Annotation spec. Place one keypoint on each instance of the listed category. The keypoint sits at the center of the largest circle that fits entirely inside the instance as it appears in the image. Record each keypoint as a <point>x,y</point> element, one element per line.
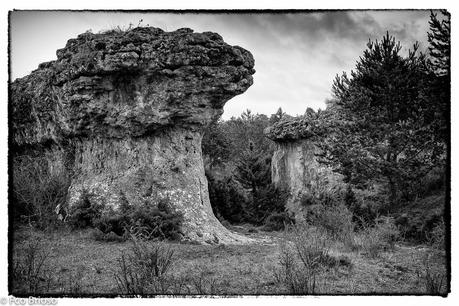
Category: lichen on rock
<point>132,107</point>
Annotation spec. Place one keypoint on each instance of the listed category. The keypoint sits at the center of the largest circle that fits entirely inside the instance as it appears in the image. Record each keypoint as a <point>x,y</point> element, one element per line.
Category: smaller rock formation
<point>294,165</point>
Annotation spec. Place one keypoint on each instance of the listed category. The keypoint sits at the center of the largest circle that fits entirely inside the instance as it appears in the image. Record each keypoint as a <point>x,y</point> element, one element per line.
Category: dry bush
<point>30,273</point>
<point>324,207</point>
<point>304,255</point>
<point>33,272</point>
<point>381,236</point>
<point>37,191</point>
<point>434,280</point>
<point>436,238</point>
<point>144,270</point>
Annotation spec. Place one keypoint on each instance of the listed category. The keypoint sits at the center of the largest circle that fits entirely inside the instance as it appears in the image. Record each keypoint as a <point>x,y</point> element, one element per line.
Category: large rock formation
<point>294,165</point>
<point>130,107</point>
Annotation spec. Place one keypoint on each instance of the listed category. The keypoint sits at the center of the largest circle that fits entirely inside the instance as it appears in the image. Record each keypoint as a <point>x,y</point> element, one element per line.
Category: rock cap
<point>134,83</point>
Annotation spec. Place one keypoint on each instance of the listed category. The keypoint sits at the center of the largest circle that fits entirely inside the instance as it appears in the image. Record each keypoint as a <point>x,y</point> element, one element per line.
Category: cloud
<point>297,55</point>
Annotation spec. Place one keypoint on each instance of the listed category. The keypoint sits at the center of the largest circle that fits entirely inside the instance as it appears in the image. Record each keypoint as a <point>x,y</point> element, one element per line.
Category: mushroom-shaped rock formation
<point>294,164</point>
<point>130,107</point>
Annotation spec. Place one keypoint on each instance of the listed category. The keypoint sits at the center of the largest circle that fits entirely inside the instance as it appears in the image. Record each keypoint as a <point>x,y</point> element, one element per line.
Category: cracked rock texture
<point>294,165</point>
<point>130,107</point>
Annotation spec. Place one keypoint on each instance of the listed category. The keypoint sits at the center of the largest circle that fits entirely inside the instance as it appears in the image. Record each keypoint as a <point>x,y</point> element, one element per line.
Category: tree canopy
<point>382,130</point>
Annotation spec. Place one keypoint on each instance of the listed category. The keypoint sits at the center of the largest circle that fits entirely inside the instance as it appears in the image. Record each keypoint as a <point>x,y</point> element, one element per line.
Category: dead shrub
<point>144,270</point>
<point>433,279</point>
<point>304,256</point>
<point>37,191</point>
<point>380,237</point>
<point>30,273</point>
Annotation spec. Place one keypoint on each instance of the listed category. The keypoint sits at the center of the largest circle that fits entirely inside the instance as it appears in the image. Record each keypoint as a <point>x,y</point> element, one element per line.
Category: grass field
<point>76,264</point>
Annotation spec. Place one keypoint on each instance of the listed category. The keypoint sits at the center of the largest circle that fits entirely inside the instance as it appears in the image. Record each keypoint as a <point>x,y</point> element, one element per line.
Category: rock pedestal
<point>130,107</point>
<point>294,165</point>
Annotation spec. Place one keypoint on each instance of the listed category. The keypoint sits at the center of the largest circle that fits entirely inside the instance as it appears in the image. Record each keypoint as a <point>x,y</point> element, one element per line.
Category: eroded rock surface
<point>131,107</point>
<point>294,165</point>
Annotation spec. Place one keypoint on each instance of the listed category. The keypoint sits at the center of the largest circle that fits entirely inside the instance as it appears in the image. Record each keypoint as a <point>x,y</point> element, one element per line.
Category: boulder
<point>129,109</point>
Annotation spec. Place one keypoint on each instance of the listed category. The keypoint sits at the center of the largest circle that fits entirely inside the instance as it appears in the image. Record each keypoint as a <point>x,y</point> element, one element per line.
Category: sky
<point>297,55</point>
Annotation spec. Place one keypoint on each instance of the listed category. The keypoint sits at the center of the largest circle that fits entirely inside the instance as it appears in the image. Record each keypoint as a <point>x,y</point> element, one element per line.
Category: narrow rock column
<point>294,165</point>
<point>131,108</point>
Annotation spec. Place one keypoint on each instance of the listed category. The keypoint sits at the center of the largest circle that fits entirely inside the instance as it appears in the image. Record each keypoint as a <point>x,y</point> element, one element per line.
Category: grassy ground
<point>77,264</point>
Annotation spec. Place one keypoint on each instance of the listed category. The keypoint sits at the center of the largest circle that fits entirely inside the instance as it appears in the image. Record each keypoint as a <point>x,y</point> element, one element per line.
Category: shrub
<point>381,236</point>
<point>37,191</point>
<point>149,220</point>
<point>417,221</point>
<point>267,200</point>
<point>85,212</point>
<point>98,235</point>
<point>303,256</point>
<point>434,280</point>
<point>203,284</point>
<point>227,199</point>
<point>363,207</point>
<point>326,210</point>
<point>144,269</point>
<point>29,272</point>
<point>436,238</point>
<point>278,221</point>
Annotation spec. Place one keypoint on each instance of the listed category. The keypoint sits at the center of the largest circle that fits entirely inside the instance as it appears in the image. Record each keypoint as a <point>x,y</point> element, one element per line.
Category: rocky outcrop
<point>131,107</point>
<point>294,165</point>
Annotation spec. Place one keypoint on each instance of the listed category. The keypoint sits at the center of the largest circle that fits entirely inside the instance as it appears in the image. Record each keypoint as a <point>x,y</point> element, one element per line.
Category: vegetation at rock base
<point>146,221</point>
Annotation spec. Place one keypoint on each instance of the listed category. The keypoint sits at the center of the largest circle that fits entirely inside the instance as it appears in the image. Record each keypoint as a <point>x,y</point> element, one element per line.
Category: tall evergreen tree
<point>378,129</point>
<point>253,169</point>
<point>439,61</point>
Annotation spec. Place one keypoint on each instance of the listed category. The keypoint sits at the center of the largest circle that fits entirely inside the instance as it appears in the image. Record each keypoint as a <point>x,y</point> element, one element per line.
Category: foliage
<point>85,212</point>
<point>381,236</point>
<point>439,39</point>
<point>37,190</point>
<point>246,194</point>
<point>156,221</point>
<point>436,237</point>
<point>278,221</point>
<point>253,169</point>
<point>98,235</point>
<point>382,133</point>
<point>147,221</point>
<point>268,201</point>
<point>226,198</point>
<point>325,209</point>
<point>363,208</point>
<point>225,141</point>
<point>216,144</point>
<point>418,220</point>
<point>439,61</point>
<point>253,172</point>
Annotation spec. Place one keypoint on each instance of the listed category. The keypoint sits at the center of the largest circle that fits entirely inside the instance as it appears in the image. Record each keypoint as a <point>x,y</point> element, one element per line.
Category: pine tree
<point>253,169</point>
<point>439,61</point>
<point>439,39</point>
<point>379,133</point>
